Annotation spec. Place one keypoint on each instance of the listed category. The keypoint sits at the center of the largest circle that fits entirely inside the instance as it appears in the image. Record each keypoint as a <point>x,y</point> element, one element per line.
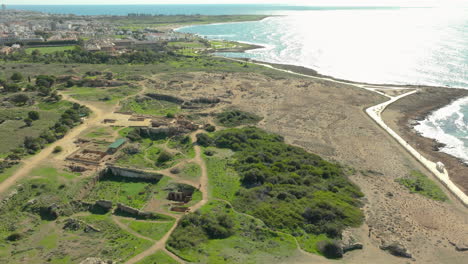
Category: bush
<point>204,140</point>
<point>20,99</point>
<point>164,157</point>
<point>17,77</point>
<point>233,118</point>
<point>210,128</point>
<point>170,115</point>
<point>14,237</point>
<point>34,115</point>
<point>196,228</point>
<point>132,150</point>
<point>58,149</point>
<point>28,121</point>
<point>330,249</point>
<point>11,87</point>
<point>417,182</point>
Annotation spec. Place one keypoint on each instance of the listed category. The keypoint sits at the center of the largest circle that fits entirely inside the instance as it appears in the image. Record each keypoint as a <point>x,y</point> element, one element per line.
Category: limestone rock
<point>396,249</point>
<point>349,242</point>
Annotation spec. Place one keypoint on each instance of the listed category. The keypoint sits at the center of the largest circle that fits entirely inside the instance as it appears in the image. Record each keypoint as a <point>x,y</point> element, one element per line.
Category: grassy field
<point>13,130</point>
<point>419,183</point>
<point>134,193</point>
<point>53,173</point>
<point>190,171</point>
<point>187,44</point>
<point>224,182</point>
<point>116,243</point>
<point>48,50</point>
<point>148,106</point>
<point>158,258</point>
<point>153,230</point>
<point>218,44</point>
<point>110,95</point>
<point>100,133</point>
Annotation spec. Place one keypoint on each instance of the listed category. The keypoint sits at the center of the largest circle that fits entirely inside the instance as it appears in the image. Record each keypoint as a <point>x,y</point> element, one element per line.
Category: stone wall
<point>133,173</point>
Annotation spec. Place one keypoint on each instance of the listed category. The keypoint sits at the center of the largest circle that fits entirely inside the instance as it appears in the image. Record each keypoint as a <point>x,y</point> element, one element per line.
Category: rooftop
<point>119,142</point>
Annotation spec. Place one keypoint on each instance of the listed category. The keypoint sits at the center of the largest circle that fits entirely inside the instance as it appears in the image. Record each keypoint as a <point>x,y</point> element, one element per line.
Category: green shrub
<point>58,149</point>
<point>16,77</point>
<point>204,140</point>
<point>233,118</point>
<point>34,115</point>
<point>197,228</point>
<point>164,157</point>
<point>417,182</point>
<point>210,128</point>
<point>330,249</point>
<point>288,188</point>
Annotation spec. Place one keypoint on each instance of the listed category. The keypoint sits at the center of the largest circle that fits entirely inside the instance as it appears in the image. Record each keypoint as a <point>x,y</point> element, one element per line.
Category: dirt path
<point>203,187</point>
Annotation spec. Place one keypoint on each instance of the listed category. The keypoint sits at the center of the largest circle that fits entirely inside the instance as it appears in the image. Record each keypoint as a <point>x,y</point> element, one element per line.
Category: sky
<point>289,2</point>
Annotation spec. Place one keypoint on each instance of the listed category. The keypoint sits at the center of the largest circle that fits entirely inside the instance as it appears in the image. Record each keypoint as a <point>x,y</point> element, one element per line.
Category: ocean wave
<point>449,126</point>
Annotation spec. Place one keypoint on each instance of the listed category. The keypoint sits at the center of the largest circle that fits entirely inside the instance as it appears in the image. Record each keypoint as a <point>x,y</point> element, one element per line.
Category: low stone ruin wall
<point>132,173</point>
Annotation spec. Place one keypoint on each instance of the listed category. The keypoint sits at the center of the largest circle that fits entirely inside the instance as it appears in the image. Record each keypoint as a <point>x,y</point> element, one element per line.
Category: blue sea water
<point>168,9</point>
<point>377,45</point>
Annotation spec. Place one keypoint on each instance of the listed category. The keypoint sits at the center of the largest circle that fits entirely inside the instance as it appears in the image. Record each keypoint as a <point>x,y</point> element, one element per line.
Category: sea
<point>381,45</point>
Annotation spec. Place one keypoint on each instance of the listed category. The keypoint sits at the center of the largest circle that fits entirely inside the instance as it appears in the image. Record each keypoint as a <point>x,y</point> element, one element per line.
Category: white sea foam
<point>449,126</point>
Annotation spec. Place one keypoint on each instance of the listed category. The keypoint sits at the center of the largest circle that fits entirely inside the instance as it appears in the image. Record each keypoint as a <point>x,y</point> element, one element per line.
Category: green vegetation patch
<point>109,94</point>
<point>153,230</point>
<point>129,191</point>
<point>419,183</point>
<point>289,189</point>
<point>217,234</point>
<point>116,243</point>
<point>49,50</point>
<point>191,171</point>
<point>13,130</point>
<point>149,106</point>
<point>104,133</point>
<point>160,257</point>
<point>233,118</point>
<point>224,181</point>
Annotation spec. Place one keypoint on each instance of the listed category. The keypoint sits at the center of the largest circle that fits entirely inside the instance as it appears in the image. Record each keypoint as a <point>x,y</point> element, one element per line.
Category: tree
<point>19,99</point>
<point>17,77</point>
<point>34,115</point>
<point>36,52</point>
<point>28,121</point>
<point>44,91</point>
<point>164,157</point>
<point>45,80</point>
<point>204,140</point>
<point>11,87</point>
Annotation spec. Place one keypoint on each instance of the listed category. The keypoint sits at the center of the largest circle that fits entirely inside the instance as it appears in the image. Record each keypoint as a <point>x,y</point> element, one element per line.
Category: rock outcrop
<point>396,249</point>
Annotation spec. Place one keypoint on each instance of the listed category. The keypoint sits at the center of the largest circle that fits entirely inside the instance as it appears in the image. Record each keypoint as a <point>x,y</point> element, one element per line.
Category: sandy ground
<point>328,119</point>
